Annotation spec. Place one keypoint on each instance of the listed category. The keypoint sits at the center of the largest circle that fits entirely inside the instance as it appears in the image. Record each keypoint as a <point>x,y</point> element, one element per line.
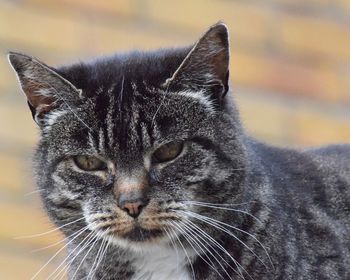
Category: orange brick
<point>315,36</point>
<point>313,127</point>
<point>17,125</point>
<point>17,175</point>
<point>116,7</point>
<point>71,34</point>
<point>342,5</point>
<point>300,3</point>
<point>251,69</point>
<point>283,122</point>
<point>244,20</point>
<point>18,220</point>
<point>287,77</point>
<point>261,26</point>
<point>264,118</point>
<point>6,76</point>
<point>19,267</point>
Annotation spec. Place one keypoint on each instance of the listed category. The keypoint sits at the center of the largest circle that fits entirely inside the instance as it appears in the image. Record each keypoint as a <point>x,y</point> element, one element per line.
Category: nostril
<point>133,208</point>
<point>139,208</point>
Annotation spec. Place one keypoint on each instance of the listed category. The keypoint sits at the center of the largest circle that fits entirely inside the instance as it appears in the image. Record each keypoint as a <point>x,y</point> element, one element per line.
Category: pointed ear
<point>42,85</point>
<point>206,67</point>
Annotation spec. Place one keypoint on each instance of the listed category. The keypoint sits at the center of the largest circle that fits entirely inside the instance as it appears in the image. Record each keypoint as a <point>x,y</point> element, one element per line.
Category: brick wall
<point>290,72</point>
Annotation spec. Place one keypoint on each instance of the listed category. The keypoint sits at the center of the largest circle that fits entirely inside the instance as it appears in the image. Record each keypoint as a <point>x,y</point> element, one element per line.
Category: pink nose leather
<point>133,208</point>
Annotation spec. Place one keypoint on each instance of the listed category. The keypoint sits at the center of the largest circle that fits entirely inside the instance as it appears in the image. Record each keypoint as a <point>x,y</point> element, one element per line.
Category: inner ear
<point>206,66</point>
<point>42,85</point>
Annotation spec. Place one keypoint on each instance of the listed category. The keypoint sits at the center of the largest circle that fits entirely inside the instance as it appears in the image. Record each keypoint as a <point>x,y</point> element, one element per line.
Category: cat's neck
<point>152,262</point>
<point>162,262</point>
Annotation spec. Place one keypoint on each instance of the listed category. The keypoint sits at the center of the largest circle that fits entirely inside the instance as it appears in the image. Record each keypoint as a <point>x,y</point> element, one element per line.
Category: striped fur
<point>227,207</point>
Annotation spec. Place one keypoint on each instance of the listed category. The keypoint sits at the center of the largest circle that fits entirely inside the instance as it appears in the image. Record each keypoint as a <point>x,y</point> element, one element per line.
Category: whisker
<point>61,241</point>
<point>216,225</point>
<point>89,237</point>
<point>189,260</point>
<point>83,247</point>
<point>161,104</point>
<point>229,209</point>
<point>240,230</point>
<point>216,204</point>
<point>85,240</point>
<point>102,255</point>
<point>48,232</point>
<point>174,246</point>
<point>219,246</point>
<point>42,268</point>
<point>33,192</point>
<point>87,253</point>
<point>194,240</point>
<point>60,97</point>
<point>96,258</point>
<point>108,243</point>
<point>92,238</point>
<point>202,238</point>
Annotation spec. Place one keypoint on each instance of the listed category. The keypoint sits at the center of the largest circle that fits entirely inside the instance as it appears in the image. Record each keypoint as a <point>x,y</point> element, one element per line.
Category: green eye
<point>89,163</point>
<point>167,152</point>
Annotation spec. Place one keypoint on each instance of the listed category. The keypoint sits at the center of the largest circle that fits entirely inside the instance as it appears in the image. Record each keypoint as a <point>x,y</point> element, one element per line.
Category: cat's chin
<point>138,234</point>
<point>140,239</point>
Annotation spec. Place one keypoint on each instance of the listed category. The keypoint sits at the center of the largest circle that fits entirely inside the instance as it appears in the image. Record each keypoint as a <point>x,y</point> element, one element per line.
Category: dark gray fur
<point>129,104</point>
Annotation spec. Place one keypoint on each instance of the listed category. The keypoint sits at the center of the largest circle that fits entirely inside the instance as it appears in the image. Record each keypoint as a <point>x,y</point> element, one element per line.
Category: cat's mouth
<point>142,229</point>
<point>139,234</point>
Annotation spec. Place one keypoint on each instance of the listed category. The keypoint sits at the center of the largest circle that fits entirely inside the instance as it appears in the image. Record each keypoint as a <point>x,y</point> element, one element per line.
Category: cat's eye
<point>167,152</point>
<point>89,163</point>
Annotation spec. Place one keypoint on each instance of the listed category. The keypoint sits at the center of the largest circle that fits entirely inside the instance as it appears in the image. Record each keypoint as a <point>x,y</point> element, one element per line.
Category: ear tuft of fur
<point>206,66</point>
<point>42,85</point>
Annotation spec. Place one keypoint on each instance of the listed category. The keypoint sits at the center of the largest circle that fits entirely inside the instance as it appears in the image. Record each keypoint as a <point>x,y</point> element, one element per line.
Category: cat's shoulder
<point>335,151</point>
<point>336,157</point>
<point>332,157</point>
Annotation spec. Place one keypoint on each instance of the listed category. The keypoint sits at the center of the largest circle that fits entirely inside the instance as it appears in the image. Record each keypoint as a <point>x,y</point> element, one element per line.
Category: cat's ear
<point>206,67</point>
<point>42,85</point>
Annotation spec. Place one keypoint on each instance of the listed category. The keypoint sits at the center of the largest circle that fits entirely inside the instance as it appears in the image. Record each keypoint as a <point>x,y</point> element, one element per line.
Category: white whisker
<point>33,192</point>
<point>199,245</point>
<point>189,260</point>
<point>226,208</point>
<point>61,241</point>
<point>87,253</point>
<point>219,246</point>
<point>216,204</point>
<point>48,232</point>
<point>89,236</point>
<point>216,225</point>
<point>240,230</point>
<point>175,248</point>
<point>96,258</point>
<point>42,268</point>
<point>102,255</point>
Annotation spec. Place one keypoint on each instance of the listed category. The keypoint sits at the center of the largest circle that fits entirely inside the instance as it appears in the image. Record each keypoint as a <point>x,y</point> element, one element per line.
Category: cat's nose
<point>132,207</point>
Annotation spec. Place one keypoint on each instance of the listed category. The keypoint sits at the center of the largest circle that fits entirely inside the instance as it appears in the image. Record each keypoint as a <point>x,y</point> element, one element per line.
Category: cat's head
<point>129,143</point>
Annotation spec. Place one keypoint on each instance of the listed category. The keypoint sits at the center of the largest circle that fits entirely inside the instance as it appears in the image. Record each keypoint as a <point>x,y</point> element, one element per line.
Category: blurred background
<point>290,73</point>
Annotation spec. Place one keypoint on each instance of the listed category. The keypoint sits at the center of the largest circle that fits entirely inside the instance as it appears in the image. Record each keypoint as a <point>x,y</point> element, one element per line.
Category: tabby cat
<point>145,167</point>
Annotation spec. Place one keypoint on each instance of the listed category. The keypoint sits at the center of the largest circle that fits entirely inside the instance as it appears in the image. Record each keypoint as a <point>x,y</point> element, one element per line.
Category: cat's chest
<point>161,263</point>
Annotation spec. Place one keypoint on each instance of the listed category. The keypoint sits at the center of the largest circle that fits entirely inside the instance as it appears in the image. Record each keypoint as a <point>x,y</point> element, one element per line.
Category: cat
<point>145,167</point>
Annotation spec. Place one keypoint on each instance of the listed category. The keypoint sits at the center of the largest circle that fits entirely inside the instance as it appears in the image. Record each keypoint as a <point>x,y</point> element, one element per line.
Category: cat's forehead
<point>127,108</point>
<point>148,68</point>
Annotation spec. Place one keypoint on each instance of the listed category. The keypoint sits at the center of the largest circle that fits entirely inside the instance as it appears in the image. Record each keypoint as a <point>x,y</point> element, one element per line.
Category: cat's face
<point>129,142</point>
<point>131,166</point>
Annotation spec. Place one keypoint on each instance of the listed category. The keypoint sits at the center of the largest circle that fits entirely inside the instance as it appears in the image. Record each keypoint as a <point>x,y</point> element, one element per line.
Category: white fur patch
<point>161,263</point>
<point>201,97</point>
<point>51,118</point>
<point>44,92</point>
